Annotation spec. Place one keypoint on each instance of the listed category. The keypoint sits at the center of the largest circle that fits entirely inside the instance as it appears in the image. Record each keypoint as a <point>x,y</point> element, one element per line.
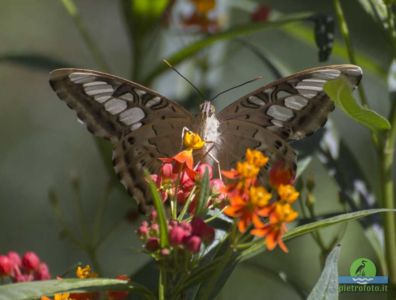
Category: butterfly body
<point>143,125</point>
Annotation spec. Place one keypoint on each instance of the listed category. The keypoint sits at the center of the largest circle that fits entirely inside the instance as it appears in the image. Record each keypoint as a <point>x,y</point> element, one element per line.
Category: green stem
<point>385,156</point>
<point>345,35</point>
<point>162,284</point>
<point>91,45</point>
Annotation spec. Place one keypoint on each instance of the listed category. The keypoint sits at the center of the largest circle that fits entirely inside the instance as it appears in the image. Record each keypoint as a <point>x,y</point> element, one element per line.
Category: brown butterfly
<point>143,125</point>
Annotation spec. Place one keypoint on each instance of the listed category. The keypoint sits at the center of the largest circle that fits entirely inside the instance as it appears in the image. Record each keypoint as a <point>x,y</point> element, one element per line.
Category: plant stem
<point>385,155</point>
<point>161,284</point>
<point>89,42</point>
<point>345,35</point>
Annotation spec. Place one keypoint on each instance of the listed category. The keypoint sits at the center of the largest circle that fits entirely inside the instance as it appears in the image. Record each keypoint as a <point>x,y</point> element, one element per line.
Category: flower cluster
<point>27,268</point>
<point>263,210</point>
<point>183,235</point>
<point>203,16</point>
<point>178,178</point>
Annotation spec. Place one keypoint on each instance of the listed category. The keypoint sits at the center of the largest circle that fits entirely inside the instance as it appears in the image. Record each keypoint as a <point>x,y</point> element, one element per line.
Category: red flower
<point>5,266</point>
<point>281,174</point>
<point>30,261</point>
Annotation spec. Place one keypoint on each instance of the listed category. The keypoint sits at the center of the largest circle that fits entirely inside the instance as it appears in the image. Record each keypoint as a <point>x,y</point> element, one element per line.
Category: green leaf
<point>36,289</point>
<point>375,8</point>
<point>203,194</point>
<point>241,30</point>
<point>340,92</point>
<point>327,286</point>
<point>34,61</point>
<point>159,207</point>
<point>258,247</point>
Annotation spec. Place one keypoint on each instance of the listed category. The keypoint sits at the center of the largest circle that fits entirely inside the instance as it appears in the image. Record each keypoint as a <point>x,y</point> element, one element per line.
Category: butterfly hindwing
<point>141,124</point>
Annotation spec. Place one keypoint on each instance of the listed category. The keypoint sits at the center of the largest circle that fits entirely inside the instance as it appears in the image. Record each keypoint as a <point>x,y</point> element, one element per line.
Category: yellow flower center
<point>85,272</point>
<point>247,170</point>
<point>193,141</point>
<point>259,196</point>
<point>256,158</point>
<point>287,193</point>
<point>63,296</point>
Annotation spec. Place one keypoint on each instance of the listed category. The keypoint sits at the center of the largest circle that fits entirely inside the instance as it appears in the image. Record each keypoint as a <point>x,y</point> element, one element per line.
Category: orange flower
<point>247,170</point>
<point>249,208</point>
<point>63,296</point>
<point>274,230</point>
<point>287,193</point>
<point>256,158</point>
<point>204,6</point>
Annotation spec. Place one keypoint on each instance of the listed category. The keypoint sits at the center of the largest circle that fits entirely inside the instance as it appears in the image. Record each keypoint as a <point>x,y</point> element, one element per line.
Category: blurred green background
<point>42,145</point>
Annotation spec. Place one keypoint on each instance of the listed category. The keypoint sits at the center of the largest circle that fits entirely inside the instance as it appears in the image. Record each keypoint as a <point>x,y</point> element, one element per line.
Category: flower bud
<point>15,259</point>
<point>5,265</point>
<point>42,272</point>
<point>165,252</point>
<point>23,277</point>
<point>193,243</point>
<point>177,235</point>
<point>143,230</point>
<point>167,170</point>
<point>152,244</point>
<point>30,261</point>
<point>202,168</point>
<point>201,229</point>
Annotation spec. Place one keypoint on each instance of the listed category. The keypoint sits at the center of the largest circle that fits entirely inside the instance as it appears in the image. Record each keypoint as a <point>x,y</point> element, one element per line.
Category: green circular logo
<point>362,267</point>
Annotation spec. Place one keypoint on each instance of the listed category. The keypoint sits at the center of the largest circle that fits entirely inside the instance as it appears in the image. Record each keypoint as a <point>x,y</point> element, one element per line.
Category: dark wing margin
<point>292,107</point>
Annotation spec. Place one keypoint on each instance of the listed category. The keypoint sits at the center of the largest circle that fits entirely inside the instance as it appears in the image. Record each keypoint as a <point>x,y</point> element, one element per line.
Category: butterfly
<point>143,125</point>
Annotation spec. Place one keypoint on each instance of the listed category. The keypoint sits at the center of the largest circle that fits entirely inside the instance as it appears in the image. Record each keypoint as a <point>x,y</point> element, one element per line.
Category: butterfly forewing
<point>284,110</point>
<point>292,107</point>
<point>142,124</point>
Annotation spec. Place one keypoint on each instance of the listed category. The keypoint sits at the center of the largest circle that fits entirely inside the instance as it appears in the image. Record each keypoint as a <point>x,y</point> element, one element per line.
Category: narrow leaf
<point>36,289</point>
<point>341,93</point>
<point>237,31</point>
<point>327,286</point>
<point>34,61</point>
<point>258,247</point>
<point>159,207</point>
<point>203,194</point>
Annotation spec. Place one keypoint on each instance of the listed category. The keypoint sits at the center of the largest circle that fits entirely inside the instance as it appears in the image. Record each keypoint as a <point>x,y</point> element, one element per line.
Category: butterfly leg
<point>184,130</point>
<point>207,153</point>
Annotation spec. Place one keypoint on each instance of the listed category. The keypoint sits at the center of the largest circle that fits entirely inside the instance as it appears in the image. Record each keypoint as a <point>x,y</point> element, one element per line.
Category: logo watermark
<point>363,278</point>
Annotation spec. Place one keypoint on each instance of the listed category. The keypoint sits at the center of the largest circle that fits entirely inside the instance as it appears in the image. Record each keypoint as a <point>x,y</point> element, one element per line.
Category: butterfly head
<point>207,109</point>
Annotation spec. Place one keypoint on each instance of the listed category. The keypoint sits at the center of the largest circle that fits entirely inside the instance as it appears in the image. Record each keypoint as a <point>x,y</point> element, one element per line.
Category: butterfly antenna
<point>185,78</point>
<point>237,86</point>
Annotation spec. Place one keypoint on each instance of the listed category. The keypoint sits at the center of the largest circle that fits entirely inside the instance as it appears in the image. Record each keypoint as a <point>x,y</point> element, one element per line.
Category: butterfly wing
<point>141,124</point>
<point>287,109</point>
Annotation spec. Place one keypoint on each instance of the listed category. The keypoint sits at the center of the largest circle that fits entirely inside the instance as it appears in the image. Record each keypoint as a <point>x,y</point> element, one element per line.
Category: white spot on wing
<point>280,113</point>
<point>153,101</point>
<point>296,102</point>
<point>256,100</point>
<point>277,123</point>
<point>98,89</point>
<point>140,92</point>
<point>281,94</point>
<point>326,74</point>
<point>132,115</point>
<point>94,83</point>
<point>115,106</point>
<point>127,97</point>
<point>80,77</point>
<point>102,98</point>
<point>136,126</point>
